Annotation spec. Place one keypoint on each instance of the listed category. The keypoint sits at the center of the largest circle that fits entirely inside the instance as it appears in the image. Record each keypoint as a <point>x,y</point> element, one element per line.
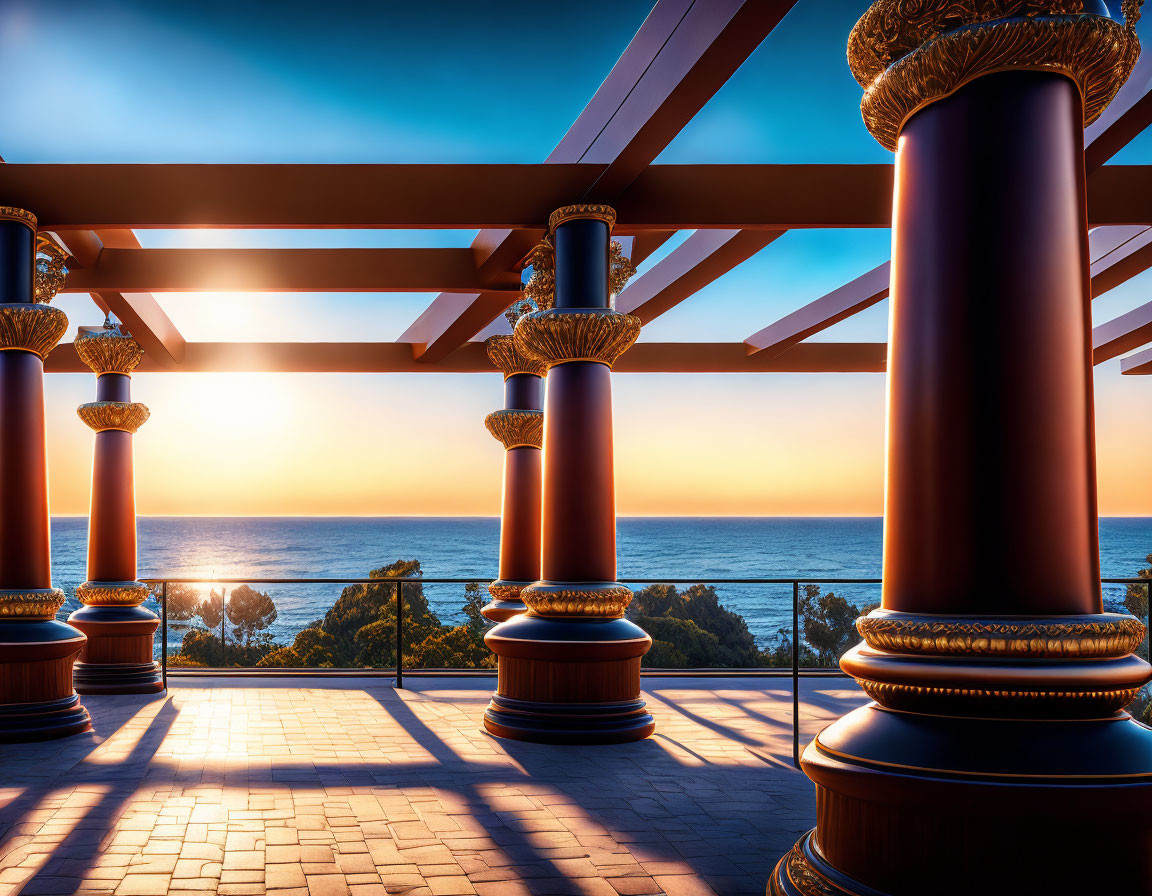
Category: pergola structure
<point>997,715</point>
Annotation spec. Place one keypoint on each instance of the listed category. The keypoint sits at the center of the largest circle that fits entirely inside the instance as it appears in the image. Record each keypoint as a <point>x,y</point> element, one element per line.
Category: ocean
<point>681,548</point>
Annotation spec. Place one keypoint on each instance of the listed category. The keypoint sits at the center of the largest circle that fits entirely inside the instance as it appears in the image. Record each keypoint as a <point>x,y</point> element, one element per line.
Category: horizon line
<point>469,516</point>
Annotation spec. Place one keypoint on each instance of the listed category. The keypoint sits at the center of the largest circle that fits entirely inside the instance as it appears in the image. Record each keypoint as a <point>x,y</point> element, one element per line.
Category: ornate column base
<point>505,601</point>
<point>909,804</point>
<point>1000,762</point>
<point>570,679</point>
<point>37,701</point>
<point>118,656</point>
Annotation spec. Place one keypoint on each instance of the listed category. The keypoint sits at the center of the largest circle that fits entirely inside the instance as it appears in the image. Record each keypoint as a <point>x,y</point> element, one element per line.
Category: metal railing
<point>794,672</point>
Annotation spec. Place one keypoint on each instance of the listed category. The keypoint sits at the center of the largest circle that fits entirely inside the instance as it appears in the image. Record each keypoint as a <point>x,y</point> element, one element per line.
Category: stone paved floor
<point>338,786</point>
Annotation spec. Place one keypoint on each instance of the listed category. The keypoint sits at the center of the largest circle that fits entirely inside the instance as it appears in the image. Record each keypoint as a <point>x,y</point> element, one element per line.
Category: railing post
<point>1148,622</point>
<point>223,610</point>
<point>164,635</point>
<point>399,638</point>
<point>796,674</point>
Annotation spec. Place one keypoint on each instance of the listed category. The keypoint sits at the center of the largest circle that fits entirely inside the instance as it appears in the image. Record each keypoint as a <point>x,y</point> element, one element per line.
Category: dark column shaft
<point>520,516</point>
<point>991,500</point>
<point>25,555</point>
<point>579,536</point>
<point>112,522</point>
<point>18,250</point>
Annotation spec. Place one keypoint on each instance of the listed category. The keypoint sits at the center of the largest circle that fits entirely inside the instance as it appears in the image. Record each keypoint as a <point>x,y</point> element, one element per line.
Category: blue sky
<point>245,81</point>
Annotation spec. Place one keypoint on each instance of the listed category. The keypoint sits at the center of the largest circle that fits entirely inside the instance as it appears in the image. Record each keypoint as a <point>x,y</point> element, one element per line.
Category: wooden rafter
<point>283,270</point>
<point>702,258</point>
<point>682,54</point>
<point>140,313</point>
<point>663,197</point>
<point>1126,116</point>
<point>396,357</point>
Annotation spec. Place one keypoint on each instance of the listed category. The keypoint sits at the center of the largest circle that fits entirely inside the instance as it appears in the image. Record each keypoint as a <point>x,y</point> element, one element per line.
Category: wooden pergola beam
<point>1122,262</point>
<point>843,302</point>
<point>702,258</point>
<point>284,270</point>
<point>662,198</point>
<point>396,357</point>
<point>1129,113</point>
<point>682,54</point>
<point>1122,334</point>
<point>1139,364</point>
<point>140,313</point>
<point>1118,254</point>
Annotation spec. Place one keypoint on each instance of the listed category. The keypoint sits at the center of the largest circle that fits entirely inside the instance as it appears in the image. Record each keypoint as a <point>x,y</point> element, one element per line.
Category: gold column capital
<point>566,213</point>
<point>109,351</point>
<point>502,352</point>
<point>20,215</point>
<point>558,337</point>
<point>516,428</point>
<point>907,54</point>
<point>125,416</point>
<point>31,327</point>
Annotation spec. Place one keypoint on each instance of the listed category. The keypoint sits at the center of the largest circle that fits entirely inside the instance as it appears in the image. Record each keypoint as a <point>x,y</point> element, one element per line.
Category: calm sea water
<point>691,548</point>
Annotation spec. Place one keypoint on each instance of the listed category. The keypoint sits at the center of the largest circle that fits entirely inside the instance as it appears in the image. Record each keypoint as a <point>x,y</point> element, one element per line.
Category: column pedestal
<point>118,656</point>
<point>996,758</point>
<point>37,701</point>
<point>570,666</point>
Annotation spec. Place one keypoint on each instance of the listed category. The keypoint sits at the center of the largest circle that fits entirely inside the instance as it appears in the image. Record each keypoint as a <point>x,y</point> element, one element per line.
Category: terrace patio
<point>337,786</point>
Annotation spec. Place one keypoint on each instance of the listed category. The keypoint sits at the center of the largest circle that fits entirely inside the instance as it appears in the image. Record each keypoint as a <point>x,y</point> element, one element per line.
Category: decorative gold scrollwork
<point>540,290</point>
<point>909,53</point>
<point>126,416</point>
<point>558,337</point>
<point>112,594</point>
<point>50,273</point>
<point>1103,635</point>
<point>109,351</point>
<point>499,590</point>
<point>39,603</point>
<point>620,268</point>
<point>604,213</point>
<point>933,698</point>
<point>31,327</point>
<point>517,429</point>
<point>608,600</point>
<point>502,352</point>
<point>23,216</point>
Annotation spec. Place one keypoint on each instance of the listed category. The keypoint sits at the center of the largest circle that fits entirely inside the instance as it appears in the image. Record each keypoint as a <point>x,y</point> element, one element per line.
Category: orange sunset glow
<point>411,445</point>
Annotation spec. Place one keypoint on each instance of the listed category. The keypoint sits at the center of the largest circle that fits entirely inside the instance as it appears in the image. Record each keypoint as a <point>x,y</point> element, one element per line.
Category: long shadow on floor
<point>75,853</point>
<point>724,822</point>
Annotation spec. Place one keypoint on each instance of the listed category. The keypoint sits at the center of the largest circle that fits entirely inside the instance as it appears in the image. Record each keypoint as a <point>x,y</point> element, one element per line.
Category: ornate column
<point>520,429</point>
<point>996,757</point>
<point>570,666</point>
<point>118,656</point>
<point>37,701</point>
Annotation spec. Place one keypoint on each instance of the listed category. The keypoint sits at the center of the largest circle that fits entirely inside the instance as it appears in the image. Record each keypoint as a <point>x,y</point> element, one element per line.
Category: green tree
<point>183,600</point>
<point>360,629</point>
<point>1136,598</point>
<point>692,628</point>
<point>828,623</point>
<point>250,611</point>
<point>313,648</point>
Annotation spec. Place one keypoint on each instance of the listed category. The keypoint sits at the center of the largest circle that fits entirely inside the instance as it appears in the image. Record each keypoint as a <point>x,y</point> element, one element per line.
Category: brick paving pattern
<point>330,787</point>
